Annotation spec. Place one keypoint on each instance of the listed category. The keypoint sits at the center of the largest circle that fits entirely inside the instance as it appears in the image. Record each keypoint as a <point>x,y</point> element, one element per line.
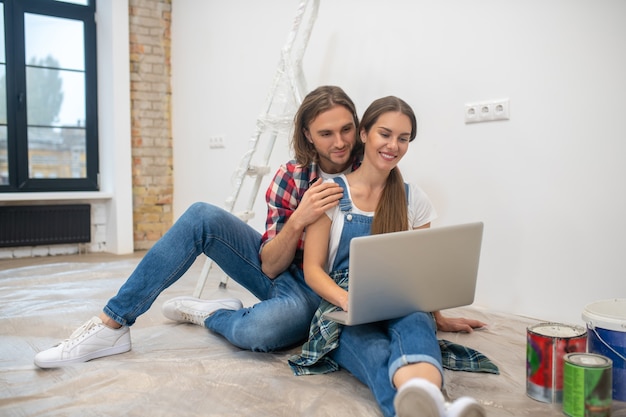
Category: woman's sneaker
<point>90,341</point>
<point>196,310</point>
<point>465,407</point>
<point>418,397</point>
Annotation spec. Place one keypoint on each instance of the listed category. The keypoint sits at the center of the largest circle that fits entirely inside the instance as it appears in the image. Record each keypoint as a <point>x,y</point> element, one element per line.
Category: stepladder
<point>274,124</point>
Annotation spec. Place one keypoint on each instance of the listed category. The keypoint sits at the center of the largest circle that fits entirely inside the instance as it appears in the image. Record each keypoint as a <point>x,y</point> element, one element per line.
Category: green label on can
<point>587,380</point>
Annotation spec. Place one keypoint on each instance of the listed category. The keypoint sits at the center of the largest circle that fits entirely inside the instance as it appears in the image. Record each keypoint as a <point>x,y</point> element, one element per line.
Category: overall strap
<point>345,204</point>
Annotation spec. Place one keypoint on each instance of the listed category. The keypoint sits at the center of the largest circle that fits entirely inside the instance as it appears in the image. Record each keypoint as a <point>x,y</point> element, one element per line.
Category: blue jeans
<point>280,320</point>
<point>374,352</point>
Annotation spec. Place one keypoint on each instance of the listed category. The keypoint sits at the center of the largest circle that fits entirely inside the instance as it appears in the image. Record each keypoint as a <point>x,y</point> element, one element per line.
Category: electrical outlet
<point>216,142</point>
<point>487,111</point>
<point>501,110</point>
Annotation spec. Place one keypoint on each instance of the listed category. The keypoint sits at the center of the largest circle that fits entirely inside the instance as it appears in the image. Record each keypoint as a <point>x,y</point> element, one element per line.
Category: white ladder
<point>285,95</point>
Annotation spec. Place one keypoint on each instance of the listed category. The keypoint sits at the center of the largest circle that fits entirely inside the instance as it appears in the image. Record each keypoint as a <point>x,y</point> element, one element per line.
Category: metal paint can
<point>587,381</point>
<point>547,343</point>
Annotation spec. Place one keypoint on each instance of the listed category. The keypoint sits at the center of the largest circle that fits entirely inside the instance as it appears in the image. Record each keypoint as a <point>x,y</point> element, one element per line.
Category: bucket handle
<point>619,355</point>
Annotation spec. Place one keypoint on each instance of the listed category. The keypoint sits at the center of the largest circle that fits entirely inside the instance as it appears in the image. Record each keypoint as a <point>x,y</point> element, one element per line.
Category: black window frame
<point>17,143</point>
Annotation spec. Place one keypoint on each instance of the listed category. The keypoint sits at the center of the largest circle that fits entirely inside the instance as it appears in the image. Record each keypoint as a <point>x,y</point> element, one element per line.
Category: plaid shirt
<point>324,336</point>
<point>283,196</point>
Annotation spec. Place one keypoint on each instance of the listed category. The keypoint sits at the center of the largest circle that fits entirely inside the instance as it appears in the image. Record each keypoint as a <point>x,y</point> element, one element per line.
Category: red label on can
<point>547,343</point>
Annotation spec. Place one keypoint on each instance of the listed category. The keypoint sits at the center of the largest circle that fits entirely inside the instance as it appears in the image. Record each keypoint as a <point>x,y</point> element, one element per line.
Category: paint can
<point>546,345</point>
<point>586,385</point>
<point>606,325</point>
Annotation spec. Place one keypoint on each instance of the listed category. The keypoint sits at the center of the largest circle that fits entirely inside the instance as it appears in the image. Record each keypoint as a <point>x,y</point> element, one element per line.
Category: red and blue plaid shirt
<point>283,196</point>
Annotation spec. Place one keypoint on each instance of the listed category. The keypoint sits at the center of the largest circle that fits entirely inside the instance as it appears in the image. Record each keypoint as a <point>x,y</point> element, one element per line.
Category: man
<point>269,265</point>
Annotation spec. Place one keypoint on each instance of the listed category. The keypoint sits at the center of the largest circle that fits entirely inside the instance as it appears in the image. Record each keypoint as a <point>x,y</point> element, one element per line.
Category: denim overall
<point>373,352</point>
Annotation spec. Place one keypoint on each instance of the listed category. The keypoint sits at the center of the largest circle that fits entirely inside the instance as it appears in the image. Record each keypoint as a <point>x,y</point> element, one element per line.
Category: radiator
<point>44,225</point>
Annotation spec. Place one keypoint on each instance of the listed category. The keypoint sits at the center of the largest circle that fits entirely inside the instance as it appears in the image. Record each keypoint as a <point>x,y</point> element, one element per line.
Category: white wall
<point>114,125</point>
<point>548,183</point>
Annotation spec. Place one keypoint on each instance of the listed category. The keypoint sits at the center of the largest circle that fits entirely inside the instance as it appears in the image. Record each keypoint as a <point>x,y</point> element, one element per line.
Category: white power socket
<point>487,111</point>
<point>216,142</point>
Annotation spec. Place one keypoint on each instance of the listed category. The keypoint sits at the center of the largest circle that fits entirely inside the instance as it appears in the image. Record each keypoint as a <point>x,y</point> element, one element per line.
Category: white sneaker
<point>419,397</point>
<point>465,407</point>
<point>90,341</point>
<point>196,310</point>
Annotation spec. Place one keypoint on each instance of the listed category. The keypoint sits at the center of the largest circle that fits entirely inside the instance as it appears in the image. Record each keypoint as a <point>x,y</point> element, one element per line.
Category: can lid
<point>589,360</point>
<point>607,314</point>
<point>557,330</point>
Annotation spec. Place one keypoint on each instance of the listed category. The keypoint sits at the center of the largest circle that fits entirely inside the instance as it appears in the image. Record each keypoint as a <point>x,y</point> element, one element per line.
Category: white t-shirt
<point>421,211</point>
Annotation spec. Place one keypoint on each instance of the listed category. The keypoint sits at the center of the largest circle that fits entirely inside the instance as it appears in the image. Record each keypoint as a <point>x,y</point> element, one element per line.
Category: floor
<point>184,370</point>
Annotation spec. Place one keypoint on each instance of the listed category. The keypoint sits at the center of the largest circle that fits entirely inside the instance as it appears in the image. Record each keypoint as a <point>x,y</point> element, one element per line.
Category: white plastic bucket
<point>606,335</point>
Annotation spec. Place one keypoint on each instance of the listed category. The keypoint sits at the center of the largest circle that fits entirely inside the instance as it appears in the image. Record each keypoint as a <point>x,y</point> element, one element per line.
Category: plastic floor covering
<point>184,370</point>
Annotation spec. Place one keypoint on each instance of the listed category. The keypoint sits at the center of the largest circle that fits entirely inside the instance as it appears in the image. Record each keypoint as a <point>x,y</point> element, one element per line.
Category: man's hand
<point>279,252</point>
<point>316,200</point>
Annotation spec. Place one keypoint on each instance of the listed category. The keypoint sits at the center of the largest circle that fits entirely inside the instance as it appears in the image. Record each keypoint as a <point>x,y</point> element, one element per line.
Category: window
<point>48,103</point>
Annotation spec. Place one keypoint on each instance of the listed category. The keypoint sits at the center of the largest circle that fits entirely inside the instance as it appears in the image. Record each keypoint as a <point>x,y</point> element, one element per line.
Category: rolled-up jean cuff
<point>118,319</point>
<point>411,359</point>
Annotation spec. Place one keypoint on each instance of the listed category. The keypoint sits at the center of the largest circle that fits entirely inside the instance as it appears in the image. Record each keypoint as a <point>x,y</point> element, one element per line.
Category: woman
<point>399,359</point>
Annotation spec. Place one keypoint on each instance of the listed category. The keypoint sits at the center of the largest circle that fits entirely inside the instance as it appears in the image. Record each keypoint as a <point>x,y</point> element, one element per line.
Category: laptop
<point>394,274</point>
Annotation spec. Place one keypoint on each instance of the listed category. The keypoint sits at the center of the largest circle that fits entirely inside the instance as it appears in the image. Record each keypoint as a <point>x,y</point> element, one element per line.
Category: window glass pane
<point>4,160</point>
<point>3,94</point>
<point>2,54</point>
<point>53,37</point>
<point>55,97</point>
<point>3,74</point>
<point>56,153</point>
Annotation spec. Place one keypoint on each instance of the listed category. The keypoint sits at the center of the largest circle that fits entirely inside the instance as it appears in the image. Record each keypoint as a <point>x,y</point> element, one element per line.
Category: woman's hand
<point>343,301</point>
<point>456,324</point>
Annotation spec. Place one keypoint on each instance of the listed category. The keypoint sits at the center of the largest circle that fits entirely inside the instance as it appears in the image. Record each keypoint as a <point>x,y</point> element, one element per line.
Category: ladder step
<point>257,170</point>
<point>245,215</point>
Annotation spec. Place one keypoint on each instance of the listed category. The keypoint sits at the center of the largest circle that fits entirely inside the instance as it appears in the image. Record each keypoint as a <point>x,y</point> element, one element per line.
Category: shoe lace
<point>193,316</point>
<point>84,329</point>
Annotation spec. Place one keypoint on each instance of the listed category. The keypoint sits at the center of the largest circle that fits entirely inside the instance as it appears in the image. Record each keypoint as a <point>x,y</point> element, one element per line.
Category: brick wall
<point>150,92</point>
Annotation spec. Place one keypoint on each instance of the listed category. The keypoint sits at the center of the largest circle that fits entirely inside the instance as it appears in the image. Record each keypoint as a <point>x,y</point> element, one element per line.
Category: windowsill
<point>77,195</point>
